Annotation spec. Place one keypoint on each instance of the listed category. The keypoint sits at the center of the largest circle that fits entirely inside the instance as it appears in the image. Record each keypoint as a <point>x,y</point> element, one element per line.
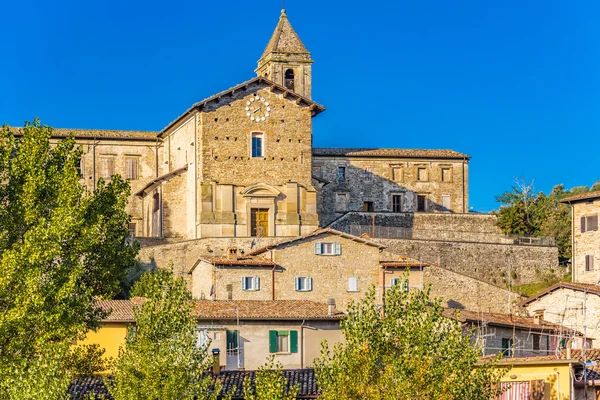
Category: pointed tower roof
<point>285,39</point>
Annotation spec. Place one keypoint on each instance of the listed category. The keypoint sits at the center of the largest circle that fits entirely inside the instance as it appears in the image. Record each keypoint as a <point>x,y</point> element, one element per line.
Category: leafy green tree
<point>269,384</point>
<point>60,247</point>
<point>161,359</point>
<point>410,351</point>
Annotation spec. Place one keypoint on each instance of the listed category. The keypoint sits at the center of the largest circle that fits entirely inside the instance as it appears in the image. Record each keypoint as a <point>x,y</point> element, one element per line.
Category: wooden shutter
<point>582,224</point>
<point>394,281</point>
<point>309,284</point>
<point>594,223</point>
<point>294,341</point>
<point>337,249</point>
<point>256,283</point>
<point>272,341</point>
<point>318,248</point>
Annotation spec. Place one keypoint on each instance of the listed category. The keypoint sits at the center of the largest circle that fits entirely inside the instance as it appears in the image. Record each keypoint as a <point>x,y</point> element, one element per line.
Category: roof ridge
<point>291,43</point>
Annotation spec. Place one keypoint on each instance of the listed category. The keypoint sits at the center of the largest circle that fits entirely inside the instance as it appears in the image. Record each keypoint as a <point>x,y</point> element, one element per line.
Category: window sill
<point>352,291</point>
<point>250,290</point>
<point>282,353</point>
<point>303,290</point>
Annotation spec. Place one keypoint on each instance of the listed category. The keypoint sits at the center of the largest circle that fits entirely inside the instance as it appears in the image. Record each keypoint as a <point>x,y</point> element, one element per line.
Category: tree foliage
<point>161,359</point>
<point>409,352</point>
<point>269,384</point>
<point>60,247</point>
<point>524,211</point>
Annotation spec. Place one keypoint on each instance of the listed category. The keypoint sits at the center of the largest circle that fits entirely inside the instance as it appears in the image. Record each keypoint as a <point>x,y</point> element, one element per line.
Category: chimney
<point>538,317</point>
<point>330,306</point>
<point>232,254</point>
<point>216,366</point>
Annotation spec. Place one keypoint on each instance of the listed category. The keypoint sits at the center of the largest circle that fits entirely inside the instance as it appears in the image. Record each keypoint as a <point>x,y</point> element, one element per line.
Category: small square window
<point>257,145</point>
<point>283,342</point>
<point>589,223</point>
<point>303,284</point>
<point>251,283</point>
<point>400,281</point>
<point>353,284</point>
<point>107,167</point>
<point>446,175</point>
<point>397,174</point>
<point>589,262</point>
<point>397,203</point>
<point>368,206</point>
<point>422,174</point>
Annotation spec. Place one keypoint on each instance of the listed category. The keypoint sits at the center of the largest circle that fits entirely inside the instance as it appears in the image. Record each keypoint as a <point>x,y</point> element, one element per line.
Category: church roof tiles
<point>404,153</point>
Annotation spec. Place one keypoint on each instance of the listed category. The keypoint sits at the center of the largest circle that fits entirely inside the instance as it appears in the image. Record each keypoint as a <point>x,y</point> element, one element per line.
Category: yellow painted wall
<point>556,376</point>
<point>109,336</point>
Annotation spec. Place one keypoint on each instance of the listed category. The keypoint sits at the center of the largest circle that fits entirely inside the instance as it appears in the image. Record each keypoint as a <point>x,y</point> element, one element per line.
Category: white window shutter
<point>352,284</point>
<point>318,248</point>
<point>256,283</point>
<point>309,283</point>
<point>296,284</point>
<point>405,285</point>
<point>394,281</point>
<point>338,249</point>
<point>244,287</point>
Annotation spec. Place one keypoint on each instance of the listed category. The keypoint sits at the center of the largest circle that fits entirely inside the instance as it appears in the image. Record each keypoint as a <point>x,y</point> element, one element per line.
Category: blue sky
<point>515,84</point>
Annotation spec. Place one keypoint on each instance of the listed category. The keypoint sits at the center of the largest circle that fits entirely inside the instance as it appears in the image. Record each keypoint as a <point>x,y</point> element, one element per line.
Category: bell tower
<point>286,61</point>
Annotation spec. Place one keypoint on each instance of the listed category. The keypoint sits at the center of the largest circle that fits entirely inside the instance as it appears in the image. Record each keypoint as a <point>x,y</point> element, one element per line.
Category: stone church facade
<point>241,163</point>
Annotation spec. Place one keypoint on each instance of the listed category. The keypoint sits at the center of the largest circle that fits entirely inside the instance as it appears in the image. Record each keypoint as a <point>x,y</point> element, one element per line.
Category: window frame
<point>398,174</point>
<point>589,262</point>
<point>589,223</point>
<point>352,284</point>
<point>305,287</point>
<point>110,164</point>
<point>449,169</point>
<point>536,342</point>
<point>254,283</point>
<point>136,161</point>
<point>449,208</point>
<point>507,351</point>
<point>397,195</point>
<point>337,204</point>
<point>291,339</point>
<point>341,169</point>
<point>335,249</point>
<point>424,197</point>
<point>257,135</point>
<point>368,174</point>
<point>419,169</point>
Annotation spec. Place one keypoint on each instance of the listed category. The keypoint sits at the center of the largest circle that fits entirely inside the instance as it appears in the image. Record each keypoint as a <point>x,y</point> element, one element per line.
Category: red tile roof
<point>403,261</point>
<point>261,310</point>
<point>316,233</point>
<point>401,153</point>
<point>117,310</point>
<point>97,133</point>
<point>256,261</point>
<point>509,320</point>
<point>581,197</point>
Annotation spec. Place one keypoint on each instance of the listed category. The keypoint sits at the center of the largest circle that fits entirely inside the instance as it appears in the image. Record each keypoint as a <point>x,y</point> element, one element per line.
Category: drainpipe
<point>94,161</point>
<point>302,344</point>
<point>383,290</point>
<point>572,243</point>
<point>273,283</point>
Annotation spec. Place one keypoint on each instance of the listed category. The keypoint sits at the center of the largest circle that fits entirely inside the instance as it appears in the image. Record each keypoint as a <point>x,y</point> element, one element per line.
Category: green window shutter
<point>294,341</point>
<point>272,341</point>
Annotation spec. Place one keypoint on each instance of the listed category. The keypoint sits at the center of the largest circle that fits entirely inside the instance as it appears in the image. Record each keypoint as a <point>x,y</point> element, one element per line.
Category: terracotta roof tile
<point>402,153</point>
<point>262,309</point>
<point>317,232</point>
<point>97,133</point>
<point>117,310</point>
<point>581,197</point>
<point>257,261</point>
<point>403,261</point>
<point>524,322</point>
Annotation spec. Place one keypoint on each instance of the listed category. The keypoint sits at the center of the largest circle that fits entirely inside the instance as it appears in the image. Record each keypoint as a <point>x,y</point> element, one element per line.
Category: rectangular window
<point>589,262</point>
<point>536,342</point>
<point>318,171</point>
<point>400,281</point>
<point>397,203</point>
<point>446,175</point>
<point>341,202</point>
<point>589,223</point>
<point>131,168</point>
<point>107,167</point>
<point>257,145</point>
<point>80,167</point>
<point>368,174</point>
<point>506,347</point>
<point>132,228</point>
<point>397,174</point>
<point>341,176</point>
<point>232,342</point>
<point>353,284</point>
<point>302,284</point>
<point>283,341</point>
<point>421,203</point>
<point>368,206</point>
<point>328,249</point>
<point>251,283</point>
<point>446,202</point>
<point>422,174</point>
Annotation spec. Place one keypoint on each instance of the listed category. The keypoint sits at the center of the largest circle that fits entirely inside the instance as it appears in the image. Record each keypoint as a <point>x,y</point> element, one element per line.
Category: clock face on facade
<point>257,109</point>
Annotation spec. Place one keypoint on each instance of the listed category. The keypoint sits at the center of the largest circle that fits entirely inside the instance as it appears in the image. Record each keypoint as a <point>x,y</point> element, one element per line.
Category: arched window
<point>289,79</point>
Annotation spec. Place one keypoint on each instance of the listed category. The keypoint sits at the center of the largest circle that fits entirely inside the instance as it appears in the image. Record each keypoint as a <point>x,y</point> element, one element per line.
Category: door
<point>259,222</point>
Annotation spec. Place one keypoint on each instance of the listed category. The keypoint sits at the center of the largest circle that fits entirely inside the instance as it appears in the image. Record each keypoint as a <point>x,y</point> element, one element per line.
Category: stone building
<point>585,237</point>
<point>573,305</point>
